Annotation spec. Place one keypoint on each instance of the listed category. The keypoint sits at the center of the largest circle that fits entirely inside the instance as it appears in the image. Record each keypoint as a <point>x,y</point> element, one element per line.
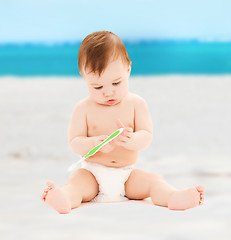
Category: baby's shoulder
<point>136,99</point>
<point>81,105</point>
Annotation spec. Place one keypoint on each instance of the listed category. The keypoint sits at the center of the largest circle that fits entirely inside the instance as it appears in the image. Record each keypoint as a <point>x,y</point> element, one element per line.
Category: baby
<point>110,174</point>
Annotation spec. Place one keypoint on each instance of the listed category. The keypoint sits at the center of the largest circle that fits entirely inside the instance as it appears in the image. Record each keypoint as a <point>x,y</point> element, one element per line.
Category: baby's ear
<point>129,68</point>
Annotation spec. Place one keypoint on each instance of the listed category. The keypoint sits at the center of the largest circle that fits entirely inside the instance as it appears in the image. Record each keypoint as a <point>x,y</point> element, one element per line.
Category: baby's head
<point>105,66</point>
<point>98,49</point>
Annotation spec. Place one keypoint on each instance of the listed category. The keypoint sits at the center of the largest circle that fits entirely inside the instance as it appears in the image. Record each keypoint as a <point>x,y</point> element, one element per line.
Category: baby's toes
<point>201,189</point>
<point>43,196</point>
<point>202,198</point>
<point>50,185</point>
<point>46,190</point>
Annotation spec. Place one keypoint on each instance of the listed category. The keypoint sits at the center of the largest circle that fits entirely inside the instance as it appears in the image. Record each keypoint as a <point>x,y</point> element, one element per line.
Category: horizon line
<point>125,40</point>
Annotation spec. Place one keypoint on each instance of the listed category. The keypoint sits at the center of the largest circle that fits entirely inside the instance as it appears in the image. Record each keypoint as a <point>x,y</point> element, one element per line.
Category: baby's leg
<point>142,184</point>
<point>80,187</point>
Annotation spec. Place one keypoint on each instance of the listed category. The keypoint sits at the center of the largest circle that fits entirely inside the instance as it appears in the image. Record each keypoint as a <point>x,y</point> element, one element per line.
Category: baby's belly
<point>119,157</point>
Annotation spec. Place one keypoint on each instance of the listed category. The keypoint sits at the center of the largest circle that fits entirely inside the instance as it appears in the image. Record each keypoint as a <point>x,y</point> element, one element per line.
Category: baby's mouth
<point>111,101</point>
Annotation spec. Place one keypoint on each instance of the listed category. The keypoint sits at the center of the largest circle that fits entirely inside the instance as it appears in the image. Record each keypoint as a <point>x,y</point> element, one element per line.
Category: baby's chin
<point>105,103</point>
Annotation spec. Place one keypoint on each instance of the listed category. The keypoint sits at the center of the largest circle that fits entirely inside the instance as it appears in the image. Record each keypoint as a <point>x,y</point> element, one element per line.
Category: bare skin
<point>93,119</point>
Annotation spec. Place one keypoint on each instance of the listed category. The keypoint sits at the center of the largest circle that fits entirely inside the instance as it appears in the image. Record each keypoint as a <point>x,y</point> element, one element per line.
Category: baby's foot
<point>56,198</point>
<point>189,198</point>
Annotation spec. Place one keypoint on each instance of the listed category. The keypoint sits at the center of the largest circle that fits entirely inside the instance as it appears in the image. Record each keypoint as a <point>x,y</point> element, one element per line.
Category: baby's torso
<point>101,120</point>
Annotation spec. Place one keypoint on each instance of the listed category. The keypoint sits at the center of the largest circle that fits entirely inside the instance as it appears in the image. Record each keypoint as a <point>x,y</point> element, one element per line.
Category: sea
<point>149,57</point>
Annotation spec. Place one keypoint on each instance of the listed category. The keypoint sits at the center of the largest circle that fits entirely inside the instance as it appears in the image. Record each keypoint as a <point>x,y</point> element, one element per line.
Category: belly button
<point>113,161</point>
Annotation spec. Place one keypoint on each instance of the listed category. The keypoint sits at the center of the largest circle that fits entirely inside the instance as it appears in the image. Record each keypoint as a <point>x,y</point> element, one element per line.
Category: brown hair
<point>96,50</point>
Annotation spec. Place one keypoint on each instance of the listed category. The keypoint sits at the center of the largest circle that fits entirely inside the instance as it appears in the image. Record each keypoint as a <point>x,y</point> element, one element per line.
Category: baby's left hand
<point>125,137</point>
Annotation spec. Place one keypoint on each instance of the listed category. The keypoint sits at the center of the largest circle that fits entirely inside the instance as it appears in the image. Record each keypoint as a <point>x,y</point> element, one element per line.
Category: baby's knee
<point>156,177</point>
<point>81,173</point>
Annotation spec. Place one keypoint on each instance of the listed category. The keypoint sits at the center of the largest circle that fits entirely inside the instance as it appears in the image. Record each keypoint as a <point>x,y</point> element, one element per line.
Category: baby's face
<point>112,86</point>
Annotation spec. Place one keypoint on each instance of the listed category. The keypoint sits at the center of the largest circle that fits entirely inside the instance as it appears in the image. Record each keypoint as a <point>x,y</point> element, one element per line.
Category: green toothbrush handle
<point>95,149</point>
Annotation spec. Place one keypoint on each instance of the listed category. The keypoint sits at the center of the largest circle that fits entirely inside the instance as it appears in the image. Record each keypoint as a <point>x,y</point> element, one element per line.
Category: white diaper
<point>111,181</point>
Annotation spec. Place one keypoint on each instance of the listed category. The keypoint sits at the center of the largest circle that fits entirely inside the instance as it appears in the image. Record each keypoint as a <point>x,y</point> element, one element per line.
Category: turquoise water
<point>148,58</point>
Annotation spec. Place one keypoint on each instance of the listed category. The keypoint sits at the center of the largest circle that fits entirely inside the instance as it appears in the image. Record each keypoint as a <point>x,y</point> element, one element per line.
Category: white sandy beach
<point>191,145</point>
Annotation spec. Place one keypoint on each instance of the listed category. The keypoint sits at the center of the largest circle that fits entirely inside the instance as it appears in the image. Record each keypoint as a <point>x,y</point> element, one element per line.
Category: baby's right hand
<point>105,149</point>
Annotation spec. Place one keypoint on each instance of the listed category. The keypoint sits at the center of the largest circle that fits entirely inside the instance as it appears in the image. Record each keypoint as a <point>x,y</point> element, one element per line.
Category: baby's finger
<point>103,137</point>
<point>129,135</point>
<point>119,138</point>
<point>118,143</point>
<point>115,141</point>
<point>129,129</point>
<point>123,139</point>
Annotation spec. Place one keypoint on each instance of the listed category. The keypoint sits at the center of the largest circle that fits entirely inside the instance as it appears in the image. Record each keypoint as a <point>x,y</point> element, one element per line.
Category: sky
<point>71,20</point>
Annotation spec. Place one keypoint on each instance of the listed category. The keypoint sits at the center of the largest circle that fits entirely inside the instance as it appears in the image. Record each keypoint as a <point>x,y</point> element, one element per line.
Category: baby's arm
<point>78,140</point>
<point>142,135</point>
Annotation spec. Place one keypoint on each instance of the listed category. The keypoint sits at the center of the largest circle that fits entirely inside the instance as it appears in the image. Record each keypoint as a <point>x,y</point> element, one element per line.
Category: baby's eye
<point>116,83</point>
<point>98,87</point>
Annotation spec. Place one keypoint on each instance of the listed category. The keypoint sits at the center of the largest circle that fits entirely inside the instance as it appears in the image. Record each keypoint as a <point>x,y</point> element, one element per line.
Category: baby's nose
<point>108,92</point>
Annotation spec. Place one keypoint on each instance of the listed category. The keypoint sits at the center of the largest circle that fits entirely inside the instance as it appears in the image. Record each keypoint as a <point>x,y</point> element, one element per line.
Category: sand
<point>191,145</point>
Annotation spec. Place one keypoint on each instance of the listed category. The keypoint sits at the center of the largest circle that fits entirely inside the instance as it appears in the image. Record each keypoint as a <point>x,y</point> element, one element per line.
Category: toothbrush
<point>96,149</point>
